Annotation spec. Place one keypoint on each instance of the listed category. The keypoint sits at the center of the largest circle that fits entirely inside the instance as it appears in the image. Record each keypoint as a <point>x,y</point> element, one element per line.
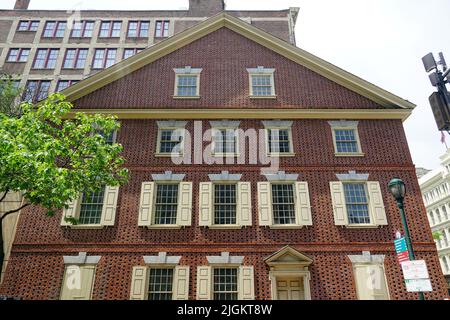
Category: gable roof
<point>261,37</point>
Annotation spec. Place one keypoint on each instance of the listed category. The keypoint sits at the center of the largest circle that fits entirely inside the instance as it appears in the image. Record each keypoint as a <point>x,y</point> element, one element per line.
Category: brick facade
<point>36,267</point>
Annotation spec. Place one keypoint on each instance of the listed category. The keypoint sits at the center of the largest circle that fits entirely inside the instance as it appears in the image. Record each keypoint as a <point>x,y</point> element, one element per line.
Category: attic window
<point>187,83</point>
<point>262,84</point>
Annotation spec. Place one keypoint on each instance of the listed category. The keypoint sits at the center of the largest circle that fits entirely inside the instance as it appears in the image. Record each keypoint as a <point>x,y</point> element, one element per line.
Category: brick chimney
<point>21,4</point>
<point>205,8</point>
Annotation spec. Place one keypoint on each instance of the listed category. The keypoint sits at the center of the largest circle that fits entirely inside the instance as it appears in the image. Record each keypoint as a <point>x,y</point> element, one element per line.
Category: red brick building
<point>297,209</point>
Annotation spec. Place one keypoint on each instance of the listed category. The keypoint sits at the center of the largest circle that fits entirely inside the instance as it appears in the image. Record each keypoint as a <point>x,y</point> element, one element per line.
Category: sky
<point>381,41</point>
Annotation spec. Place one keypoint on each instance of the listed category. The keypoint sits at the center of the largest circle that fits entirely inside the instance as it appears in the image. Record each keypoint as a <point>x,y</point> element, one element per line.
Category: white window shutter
<point>184,216</point>
<point>204,283</point>
<point>302,204</point>
<point>181,283</point>
<point>244,208</point>
<point>146,204</point>
<point>139,282</point>
<point>338,200</point>
<point>264,204</point>
<point>205,204</point>
<point>71,211</point>
<point>376,203</point>
<point>246,283</point>
<point>110,206</point>
<point>82,289</point>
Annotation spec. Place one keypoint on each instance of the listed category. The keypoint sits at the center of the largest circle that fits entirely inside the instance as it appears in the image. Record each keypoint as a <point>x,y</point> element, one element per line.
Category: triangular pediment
<point>224,20</point>
<point>288,255</point>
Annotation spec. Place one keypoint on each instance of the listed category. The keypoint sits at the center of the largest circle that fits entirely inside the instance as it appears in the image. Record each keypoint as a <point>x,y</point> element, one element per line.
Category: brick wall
<point>224,56</point>
<point>41,242</point>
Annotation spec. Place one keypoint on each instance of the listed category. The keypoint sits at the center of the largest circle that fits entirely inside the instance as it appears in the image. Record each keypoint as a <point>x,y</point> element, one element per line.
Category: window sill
<point>86,226</point>
<point>361,226</point>
<point>340,154</point>
<point>285,226</point>
<point>137,38</point>
<point>186,97</point>
<point>78,69</point>
<point>280,155</point>
<point>168,155</point>
<point>108,37</point>
<point>44,69</point>
<point>26,31</point>
<point>80,37</point>
<point>164,226</point>
<point>227,155</point>
<point>263,97</point>
<point>225,227</point>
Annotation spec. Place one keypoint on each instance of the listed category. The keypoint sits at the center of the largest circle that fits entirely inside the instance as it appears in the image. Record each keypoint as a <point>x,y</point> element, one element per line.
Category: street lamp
<point>397,188</point>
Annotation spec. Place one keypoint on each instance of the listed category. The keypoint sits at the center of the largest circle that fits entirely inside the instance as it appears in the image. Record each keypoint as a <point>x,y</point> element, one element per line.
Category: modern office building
<point>257,170</point>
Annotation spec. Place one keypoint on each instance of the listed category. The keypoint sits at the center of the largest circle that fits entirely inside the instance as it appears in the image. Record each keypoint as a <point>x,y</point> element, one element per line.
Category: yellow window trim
<point>358,141</point>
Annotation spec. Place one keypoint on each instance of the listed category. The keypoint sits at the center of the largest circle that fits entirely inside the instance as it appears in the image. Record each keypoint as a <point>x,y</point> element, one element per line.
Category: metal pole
<point>408,238</point>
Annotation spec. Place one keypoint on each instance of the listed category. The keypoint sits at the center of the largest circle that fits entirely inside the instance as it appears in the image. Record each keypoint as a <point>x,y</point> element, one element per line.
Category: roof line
<point>249,31</point>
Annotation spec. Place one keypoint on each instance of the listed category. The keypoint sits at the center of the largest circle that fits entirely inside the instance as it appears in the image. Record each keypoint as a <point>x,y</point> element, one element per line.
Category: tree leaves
<point>52,159</point>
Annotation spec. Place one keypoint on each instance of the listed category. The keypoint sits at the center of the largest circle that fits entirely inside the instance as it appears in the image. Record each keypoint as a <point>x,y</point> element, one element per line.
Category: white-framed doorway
<point>289,275</point>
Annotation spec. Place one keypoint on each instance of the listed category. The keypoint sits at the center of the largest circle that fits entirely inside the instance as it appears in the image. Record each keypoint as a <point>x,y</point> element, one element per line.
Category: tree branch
<point>4,195</point>
<point>12,211</point>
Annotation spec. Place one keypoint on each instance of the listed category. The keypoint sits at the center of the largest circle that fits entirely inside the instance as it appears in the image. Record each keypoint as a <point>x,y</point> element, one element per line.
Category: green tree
<point>50,158</point>
<point>9,93</point>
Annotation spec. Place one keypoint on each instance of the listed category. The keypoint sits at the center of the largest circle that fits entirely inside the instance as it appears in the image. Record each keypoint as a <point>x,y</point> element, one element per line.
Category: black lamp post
<point>397,188</point>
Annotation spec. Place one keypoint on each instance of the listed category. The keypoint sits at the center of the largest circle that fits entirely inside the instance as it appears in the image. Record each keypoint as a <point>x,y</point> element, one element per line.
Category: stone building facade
<point>435,187</point>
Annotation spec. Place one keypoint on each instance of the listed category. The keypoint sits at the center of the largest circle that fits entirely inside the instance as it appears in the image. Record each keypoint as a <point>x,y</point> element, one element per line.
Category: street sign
<point>403,256</point>
<point>416,269</point>
<point>400,245</point>
<point>418,285</point>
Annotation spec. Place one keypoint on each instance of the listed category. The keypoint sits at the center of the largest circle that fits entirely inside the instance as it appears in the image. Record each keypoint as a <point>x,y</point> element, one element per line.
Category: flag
<point>442,137</point>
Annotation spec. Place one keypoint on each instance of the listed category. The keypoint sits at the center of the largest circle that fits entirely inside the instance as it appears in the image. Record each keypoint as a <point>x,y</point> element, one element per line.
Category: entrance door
<point>290,289</point>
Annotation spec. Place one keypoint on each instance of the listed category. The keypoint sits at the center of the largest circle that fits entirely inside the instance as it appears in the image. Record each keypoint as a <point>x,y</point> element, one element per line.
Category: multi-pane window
<point>110,29</point>
<point>162,29</point>
<point>91,207</point>
<point>170,141</point>
<point>187,85</point>
<point>262,85</point>
<point>18,55</point>
<point>82,29</point>
<point>63,84</point>
<point>346,141</point>
<point>75,58</point>
<point>224,140</point>
<point>104,58</point>
<point>130,52</point>
<point>357,203</point>
<point>225,283</point>
<point>36,90</point>
<point>166,204</point>
<point>279,140</point>
<point>224,204</point>
<point>160,284</point>
<point>54,29</point>
<point>283,203</point>
<point>28,26</point>
<point>45,58</point>
<point>138,29</point>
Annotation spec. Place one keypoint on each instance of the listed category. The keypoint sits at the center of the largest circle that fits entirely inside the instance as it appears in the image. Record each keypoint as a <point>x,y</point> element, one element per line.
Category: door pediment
<point>288,257</point>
